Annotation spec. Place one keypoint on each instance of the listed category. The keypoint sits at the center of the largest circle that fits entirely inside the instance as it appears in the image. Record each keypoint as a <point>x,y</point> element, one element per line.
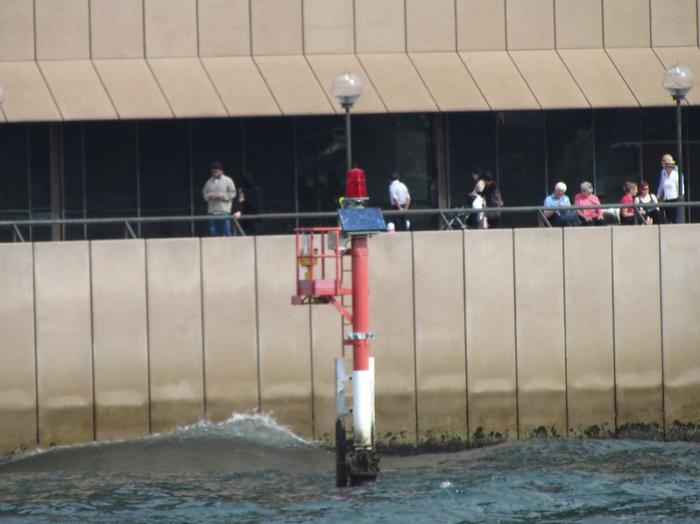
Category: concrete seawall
<point>481,336</point>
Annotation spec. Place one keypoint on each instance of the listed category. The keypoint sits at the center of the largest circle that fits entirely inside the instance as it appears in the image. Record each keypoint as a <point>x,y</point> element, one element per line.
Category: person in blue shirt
<point>559,199</point>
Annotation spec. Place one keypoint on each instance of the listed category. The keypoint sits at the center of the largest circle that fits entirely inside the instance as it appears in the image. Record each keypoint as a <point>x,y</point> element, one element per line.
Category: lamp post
<point>678,80</point>
<point>347,88</point>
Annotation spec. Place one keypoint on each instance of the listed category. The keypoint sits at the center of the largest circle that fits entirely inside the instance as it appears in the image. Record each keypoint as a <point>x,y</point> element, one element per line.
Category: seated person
<point>559,218</point>
<point>588,217</point>
<point>650,215</point>
<point>627,214</point>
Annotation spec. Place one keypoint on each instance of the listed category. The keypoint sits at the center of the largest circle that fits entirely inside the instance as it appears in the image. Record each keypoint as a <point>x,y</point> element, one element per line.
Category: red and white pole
<point>362,380</point>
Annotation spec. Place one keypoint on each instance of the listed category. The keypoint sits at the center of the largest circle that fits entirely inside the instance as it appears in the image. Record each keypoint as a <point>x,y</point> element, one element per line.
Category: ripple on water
<point>223,475</point>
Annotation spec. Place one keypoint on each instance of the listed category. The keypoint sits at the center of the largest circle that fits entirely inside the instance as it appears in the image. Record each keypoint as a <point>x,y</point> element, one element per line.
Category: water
<point>249,469</point>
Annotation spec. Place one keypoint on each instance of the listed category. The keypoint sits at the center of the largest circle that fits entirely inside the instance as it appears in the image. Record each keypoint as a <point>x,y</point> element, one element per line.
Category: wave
<point>244,442</point>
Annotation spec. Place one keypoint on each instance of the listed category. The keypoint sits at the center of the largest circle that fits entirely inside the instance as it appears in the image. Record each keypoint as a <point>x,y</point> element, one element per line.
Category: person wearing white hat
<point>669,186</point>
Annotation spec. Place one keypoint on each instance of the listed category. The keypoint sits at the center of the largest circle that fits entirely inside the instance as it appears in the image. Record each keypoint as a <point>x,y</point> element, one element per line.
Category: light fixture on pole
<point>678,80</point>
<point>347,88</point>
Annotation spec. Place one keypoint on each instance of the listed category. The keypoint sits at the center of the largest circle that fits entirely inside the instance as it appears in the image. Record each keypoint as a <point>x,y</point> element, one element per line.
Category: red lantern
<point>355,184</point>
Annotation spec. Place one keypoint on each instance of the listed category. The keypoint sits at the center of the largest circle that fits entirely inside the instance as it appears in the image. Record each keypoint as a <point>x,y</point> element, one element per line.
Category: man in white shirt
<point>400,198</point>
<point>669,187</point>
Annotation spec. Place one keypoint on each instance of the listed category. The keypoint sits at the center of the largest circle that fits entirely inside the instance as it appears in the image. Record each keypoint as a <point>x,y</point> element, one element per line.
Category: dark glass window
<point>472,144</point>
<point>570,149</point>
<point>521,161</point>
<point>618,151</point>
<point>14,186</point>
<point>165,182</point>
<point>658,138</point>
<point>110,174</point>
<point>374,146</point>
<point>74,179</point>
<point>321,164</point>
<point>416,164</point>
<point>40,179</point>
<point>269,161</point>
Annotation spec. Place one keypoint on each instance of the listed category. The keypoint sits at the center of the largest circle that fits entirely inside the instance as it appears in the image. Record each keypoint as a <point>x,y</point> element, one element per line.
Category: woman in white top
<point>669,186</point>
<point>650,215</point>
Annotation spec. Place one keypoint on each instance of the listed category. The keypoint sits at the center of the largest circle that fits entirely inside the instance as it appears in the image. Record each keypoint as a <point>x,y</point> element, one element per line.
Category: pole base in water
<point>362,466</point>
<point>341,445</point>
<point>356,466</point>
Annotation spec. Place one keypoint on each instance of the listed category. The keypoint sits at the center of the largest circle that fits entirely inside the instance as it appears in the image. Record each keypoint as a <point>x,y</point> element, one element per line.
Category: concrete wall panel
<point>175,332</point>
<point>132,88</point>
<point>680,284</point>
<point>62,29</point>
<point>579,23</point>
<point>171,28</point>
<point>294,86</point>
<point>285,360</point>
<point>539,302</point>
<point>241,86</point>
<point>637,66</point>
<point>674,23</point>
<point>120,338</point>
<point>499,80</point>
<point>77,89</point>
<point>277,27</point>
<point>430,26</point>
<point>329,27</point>
<point>549,80</point>
<point>391,318</point>
<point>17,30</point>
<point>17,371</point>
<point>230,326</point>
<point>224,27</point>
<point>397,82</point>
<point>187,87</point>
<point>626,23</point>
<point>589,332</point>
<point>439,315</point>
<point>490,326</point>
<point>598,78</point>
<point>380,26</point>
<point>63,342</point>
<point>116,28</point>
<point>27,97</point>
<point>637,306</point>
<point>448,81</point>
<point>481,25</point>
<point>530,24</point>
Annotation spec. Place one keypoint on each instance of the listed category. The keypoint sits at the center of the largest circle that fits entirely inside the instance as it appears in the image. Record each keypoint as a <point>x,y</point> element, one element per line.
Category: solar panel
<point>359,220</point>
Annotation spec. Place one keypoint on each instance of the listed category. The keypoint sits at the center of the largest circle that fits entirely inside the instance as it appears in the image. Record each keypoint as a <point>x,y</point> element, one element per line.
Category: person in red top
<point>627,216</point>
<point>588,217</point>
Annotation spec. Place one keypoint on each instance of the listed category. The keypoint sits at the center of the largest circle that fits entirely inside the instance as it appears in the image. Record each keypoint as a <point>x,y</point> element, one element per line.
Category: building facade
<point>117,107</point>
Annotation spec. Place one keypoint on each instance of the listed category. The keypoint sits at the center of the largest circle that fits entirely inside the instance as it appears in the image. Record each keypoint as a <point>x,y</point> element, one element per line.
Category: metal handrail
<point>442,213</point>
